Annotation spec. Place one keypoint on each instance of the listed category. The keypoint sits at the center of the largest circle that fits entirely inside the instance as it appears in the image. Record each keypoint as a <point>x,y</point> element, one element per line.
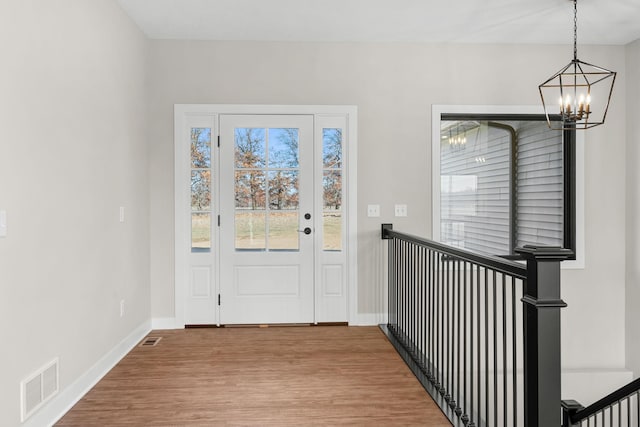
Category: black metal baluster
<point>438,331</point>
<point>392,281</point>
<point>451,290</point>
<point>421,319</point>
<point>619,413</point>
<point>415,300</point>
<point>465,405</point>
<point>458,409</point>
<point>479,366</point>
<point>418,303</point>
<point>440,322</point>
<point>504,350</point>
<point>638,408</point>
<point>411,279</point>
<point>445,335</point>
<point>486,347</point>
<point>434,312</point>
<point>495,347</point>
<point>628,399</point>
<point>428,310</point>
<point>471,304</point>
<point>405,288</point>
<point>442,361</point>
<point>397,283</point>
<point>514,353</point>
<point>425,300</point>
<point>432,315</point>
<point>399,286</point>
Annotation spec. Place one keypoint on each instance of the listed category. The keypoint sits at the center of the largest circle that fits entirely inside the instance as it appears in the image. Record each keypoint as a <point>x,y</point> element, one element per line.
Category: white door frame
<point>183,113</point>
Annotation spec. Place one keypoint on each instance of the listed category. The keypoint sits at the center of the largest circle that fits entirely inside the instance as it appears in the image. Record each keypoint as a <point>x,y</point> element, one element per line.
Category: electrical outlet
<point>121,308</point>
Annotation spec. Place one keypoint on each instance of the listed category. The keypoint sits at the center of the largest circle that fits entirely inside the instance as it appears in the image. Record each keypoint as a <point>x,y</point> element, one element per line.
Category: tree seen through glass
<point>266,188</point>
<point>332,189</point>
<point>201,189</point>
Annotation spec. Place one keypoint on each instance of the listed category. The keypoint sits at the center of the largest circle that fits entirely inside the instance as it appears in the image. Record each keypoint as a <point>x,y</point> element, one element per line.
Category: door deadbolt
<point>307,216</point>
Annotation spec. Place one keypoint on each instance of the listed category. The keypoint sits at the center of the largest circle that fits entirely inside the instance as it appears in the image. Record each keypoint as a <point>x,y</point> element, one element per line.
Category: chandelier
<point>581,91</point>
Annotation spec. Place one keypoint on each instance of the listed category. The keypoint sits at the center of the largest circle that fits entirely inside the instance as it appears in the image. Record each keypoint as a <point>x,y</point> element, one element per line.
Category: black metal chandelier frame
<point>575,82</point>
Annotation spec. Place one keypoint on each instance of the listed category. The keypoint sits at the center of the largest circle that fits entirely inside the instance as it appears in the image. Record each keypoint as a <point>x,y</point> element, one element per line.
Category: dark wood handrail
<point>605,402</point>
<point>498,264</point>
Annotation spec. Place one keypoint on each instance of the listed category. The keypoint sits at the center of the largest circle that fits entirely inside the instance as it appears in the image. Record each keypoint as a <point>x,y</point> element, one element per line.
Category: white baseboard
<point>369,319</point>
<point>165,323</point>
<point>64,401</point>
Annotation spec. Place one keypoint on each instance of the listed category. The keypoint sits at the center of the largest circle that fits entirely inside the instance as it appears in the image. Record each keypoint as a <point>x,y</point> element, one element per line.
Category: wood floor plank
<point>277,376</point>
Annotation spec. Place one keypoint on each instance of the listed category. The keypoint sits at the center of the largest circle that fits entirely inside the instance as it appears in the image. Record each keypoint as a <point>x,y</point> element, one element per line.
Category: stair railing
<point>481,333</point>
<point>620,408</point>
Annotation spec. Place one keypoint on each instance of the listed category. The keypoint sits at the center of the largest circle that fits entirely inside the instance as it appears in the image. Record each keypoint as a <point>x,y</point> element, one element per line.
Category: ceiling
<point>614,22</point>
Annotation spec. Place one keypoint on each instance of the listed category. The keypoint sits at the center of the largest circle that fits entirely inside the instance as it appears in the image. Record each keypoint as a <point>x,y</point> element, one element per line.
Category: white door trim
<point>182,114</point>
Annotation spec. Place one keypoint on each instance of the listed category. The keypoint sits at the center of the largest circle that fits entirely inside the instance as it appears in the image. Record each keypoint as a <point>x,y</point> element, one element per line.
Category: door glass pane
<point>250,190</point>
<point>200,147</point>
<point>201,190</point>
<point>332,148</point>
<point>266,188</point>
<point>332,189</point>
<point>331,210</point>
<point>283,148</point>
<point>283,190</point>
<point>283,230</point>
<point>332,231</point>
<point>250,145</point>
<point>200,232</point>
<point>250,229</point>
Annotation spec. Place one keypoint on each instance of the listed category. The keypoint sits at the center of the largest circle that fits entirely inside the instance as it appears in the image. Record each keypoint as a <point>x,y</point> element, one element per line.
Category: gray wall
<point>77,90</point>
<point>633,209</point>
<point>394,86</point>
<point>72,151</point>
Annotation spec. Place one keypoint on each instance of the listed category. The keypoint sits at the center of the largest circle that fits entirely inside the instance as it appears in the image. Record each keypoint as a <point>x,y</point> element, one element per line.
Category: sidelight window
<point>201,201</point>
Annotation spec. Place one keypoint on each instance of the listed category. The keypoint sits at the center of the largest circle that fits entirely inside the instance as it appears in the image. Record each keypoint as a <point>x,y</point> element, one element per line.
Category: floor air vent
<point>38,388</point>
<point>150,342</point>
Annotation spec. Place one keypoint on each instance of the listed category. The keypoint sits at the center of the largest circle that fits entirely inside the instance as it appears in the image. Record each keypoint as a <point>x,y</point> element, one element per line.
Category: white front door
<point>267,219</point>
<point>248,181</point>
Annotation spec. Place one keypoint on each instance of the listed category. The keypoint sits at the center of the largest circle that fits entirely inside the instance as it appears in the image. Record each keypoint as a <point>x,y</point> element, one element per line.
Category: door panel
<point>266,188</point>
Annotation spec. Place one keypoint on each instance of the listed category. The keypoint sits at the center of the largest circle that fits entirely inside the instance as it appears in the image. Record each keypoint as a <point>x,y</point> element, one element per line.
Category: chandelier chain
<point>575,29</point>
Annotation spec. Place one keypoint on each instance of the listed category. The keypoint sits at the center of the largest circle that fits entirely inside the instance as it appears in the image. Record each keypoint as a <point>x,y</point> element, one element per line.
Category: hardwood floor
<point>277,376</point>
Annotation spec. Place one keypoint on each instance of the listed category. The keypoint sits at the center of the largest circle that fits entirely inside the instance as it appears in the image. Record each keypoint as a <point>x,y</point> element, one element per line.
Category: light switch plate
<point>121,213</point>
<point>373,211</point>
<point>3,223</point>
<point>401,210</point>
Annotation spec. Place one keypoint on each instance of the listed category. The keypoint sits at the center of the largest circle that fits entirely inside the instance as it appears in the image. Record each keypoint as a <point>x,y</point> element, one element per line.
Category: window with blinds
<point>503,184</point>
